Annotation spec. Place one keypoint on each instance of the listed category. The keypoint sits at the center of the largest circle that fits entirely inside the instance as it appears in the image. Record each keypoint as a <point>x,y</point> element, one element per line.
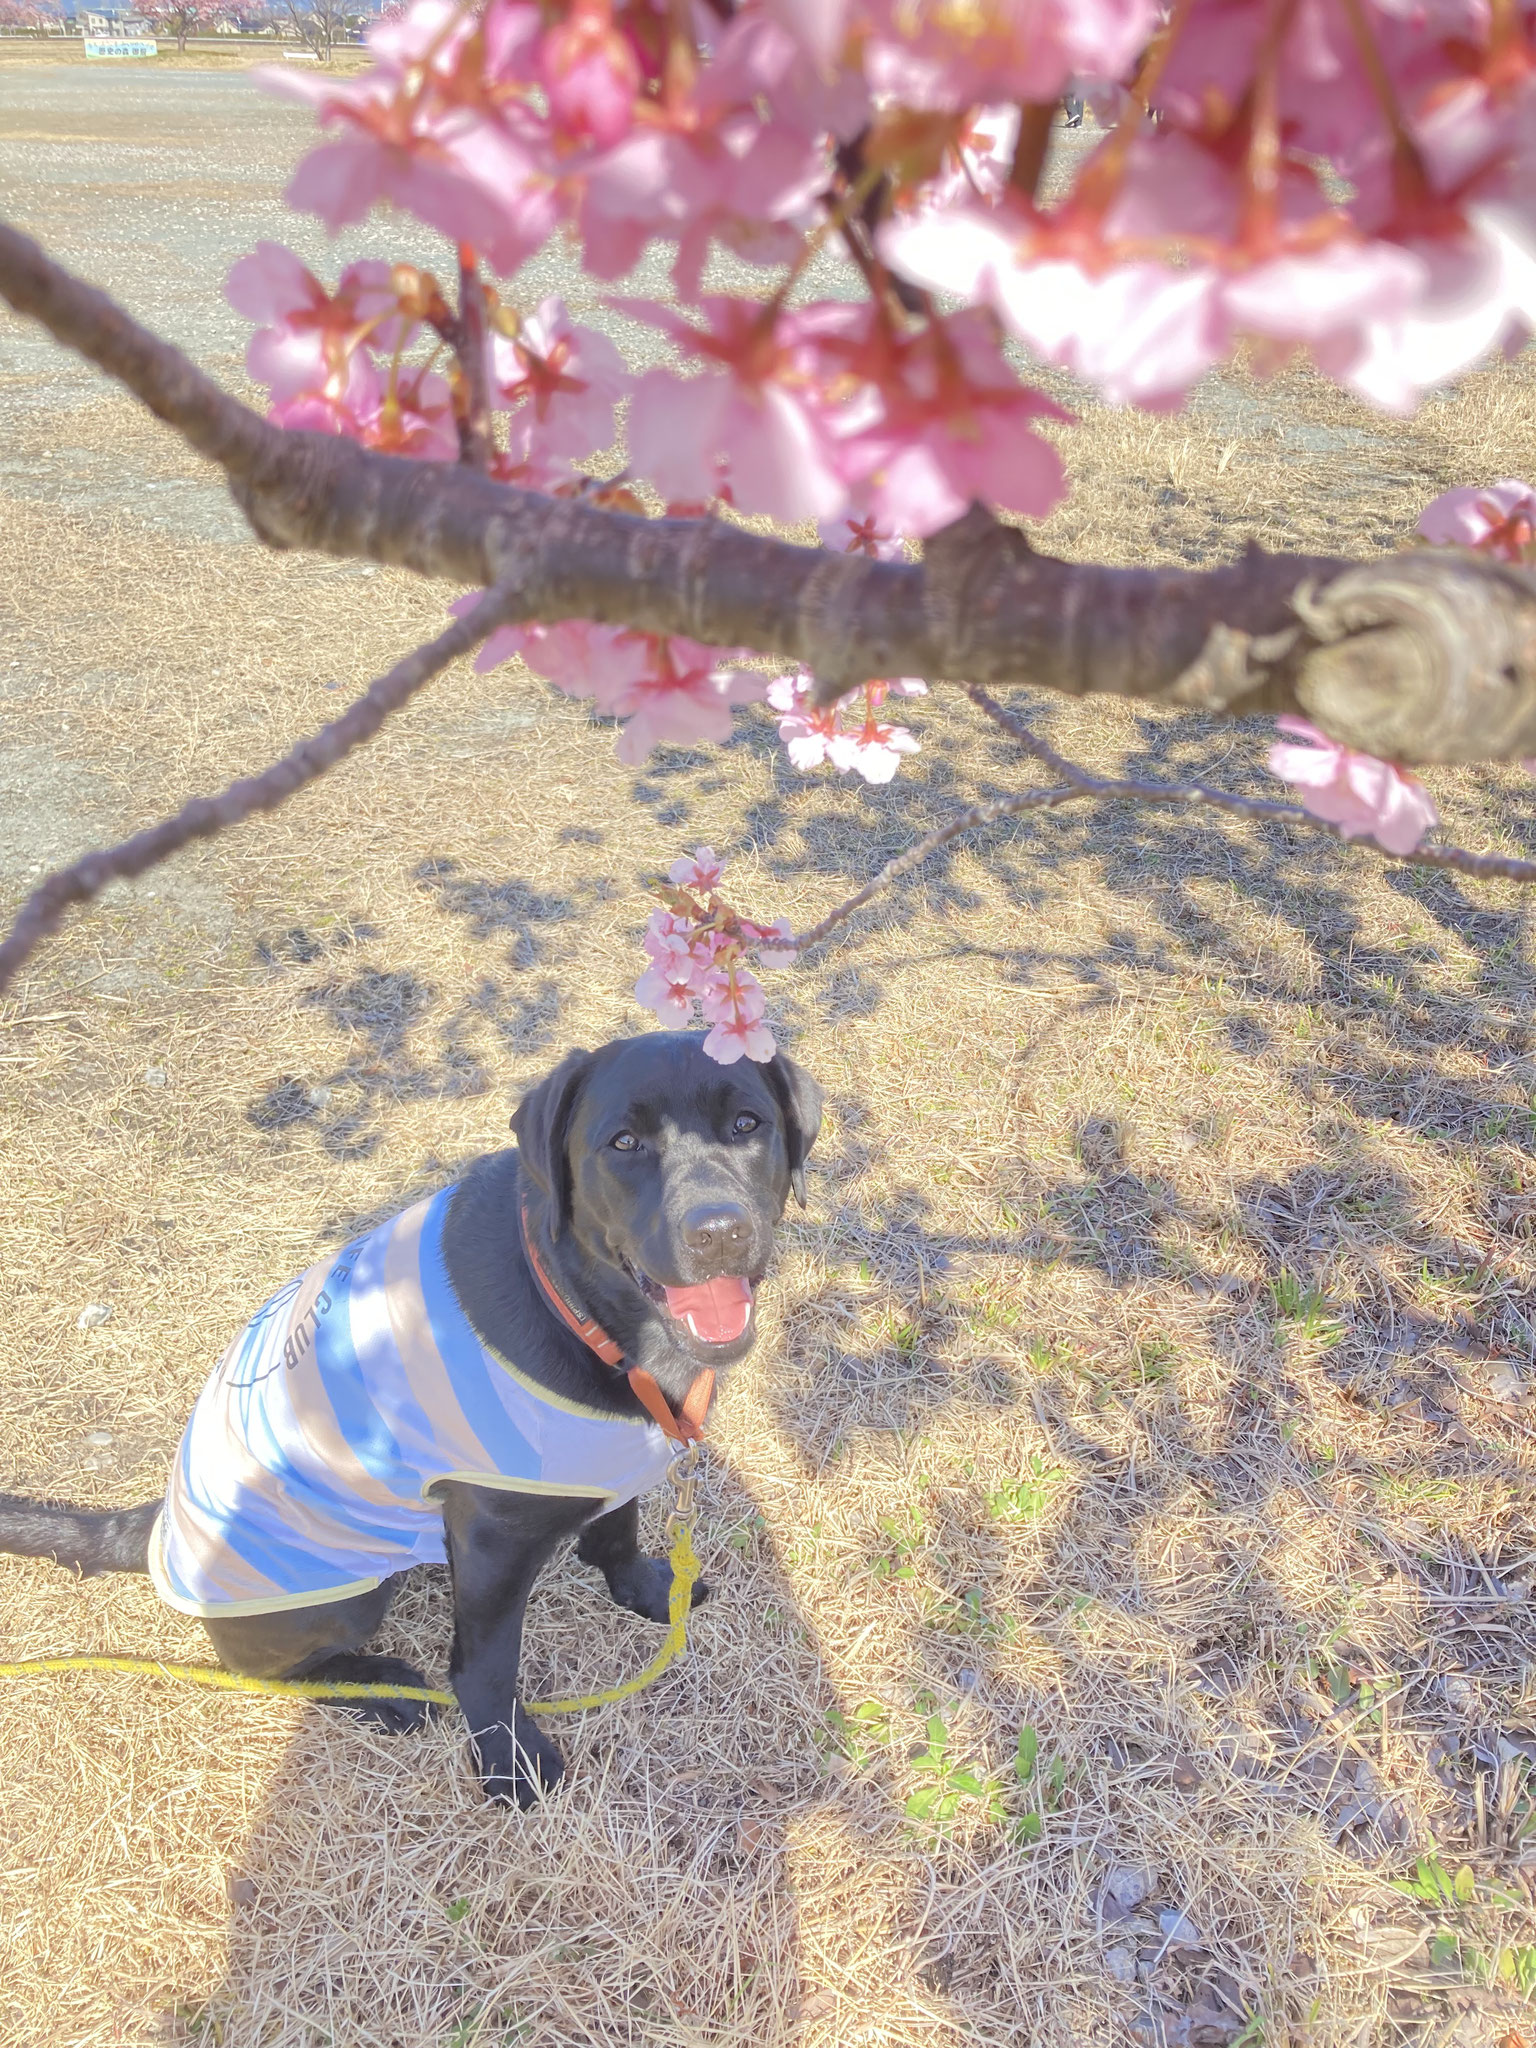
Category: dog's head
<point>664,1173</point>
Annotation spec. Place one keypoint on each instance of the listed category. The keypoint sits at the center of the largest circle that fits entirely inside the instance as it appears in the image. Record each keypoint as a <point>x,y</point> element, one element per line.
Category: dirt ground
<point>1139,1446</point>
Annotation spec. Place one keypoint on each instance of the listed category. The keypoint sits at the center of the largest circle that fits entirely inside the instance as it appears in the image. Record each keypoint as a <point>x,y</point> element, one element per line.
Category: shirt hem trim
<point>504,1485</point>
<point>273,1603</point>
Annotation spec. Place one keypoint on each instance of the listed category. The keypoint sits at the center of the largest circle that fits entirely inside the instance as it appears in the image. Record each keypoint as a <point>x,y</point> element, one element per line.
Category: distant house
<point>114,23</point>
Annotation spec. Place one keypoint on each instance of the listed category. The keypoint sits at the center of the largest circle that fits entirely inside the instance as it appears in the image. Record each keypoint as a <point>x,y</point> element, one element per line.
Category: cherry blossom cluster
<point>813,734</point>
<point>1349,181</point>
<point>908,142</point>
<point>701,953</point>
<point>1211,215</point>
<point>668,690</point>
<point>338,363</point>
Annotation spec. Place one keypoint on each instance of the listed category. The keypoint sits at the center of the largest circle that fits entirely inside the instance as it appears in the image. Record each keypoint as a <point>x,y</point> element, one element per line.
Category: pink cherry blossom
<point>1386,321</point>
<point>590,74</point>
<point>819,25</point>
<point>1166,254</point>
<point>714,162</point>
<point>318,412</point>
<point>650,184</point>
<point>760,61</point>
<point>684,696</point>
<point>272,286</point>
<point>275,289</point>
<point>1477,294</point>
<point>672,1000</point>
<point>428,35</point>
<point>806,729</point>
<point>669,939</point>
<point>974,166</point>
<point>294,366</point>
<point>1141,332</point>
<point>581,659</point>
<point>1364,797</point>
<point>943,420</point>
<point>304,349</point>
<point>1499,519</point>
<point>420,138</point>
<point>874,751</point>
<point>561,383</point>
<point>736,1037</point>
<point>727,992</point>
<point>404,411</point>
<point>698,872</point>
<point>746,420</point>
<point>859,532</point>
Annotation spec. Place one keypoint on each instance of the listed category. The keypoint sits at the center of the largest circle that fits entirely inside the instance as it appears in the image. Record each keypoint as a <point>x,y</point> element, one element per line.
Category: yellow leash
<point>685,1570</point>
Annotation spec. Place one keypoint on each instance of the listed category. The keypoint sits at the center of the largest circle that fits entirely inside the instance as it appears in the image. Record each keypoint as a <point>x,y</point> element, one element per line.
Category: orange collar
<point>683,1426</point>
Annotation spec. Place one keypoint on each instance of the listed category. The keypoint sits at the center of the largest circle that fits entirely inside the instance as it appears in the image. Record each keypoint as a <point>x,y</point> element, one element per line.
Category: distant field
<point>203,53</point>
<point>1150,1370</point>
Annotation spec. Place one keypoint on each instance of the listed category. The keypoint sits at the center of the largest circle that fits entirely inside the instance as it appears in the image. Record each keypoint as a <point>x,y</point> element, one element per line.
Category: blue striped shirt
<point>307,1468</point>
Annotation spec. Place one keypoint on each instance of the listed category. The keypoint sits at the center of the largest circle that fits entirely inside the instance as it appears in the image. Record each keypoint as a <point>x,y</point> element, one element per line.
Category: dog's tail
<point>88,1540</point>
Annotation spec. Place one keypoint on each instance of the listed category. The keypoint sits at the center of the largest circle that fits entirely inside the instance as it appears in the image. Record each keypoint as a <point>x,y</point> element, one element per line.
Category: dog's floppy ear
<point>541,1123</point>
<point>799,1099</point>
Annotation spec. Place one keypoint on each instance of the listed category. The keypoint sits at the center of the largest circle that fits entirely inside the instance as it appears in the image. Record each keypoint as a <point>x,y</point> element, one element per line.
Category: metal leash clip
<point>682,1477</point>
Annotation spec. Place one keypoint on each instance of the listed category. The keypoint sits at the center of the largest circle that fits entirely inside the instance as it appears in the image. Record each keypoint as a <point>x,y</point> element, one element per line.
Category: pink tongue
<point>717,1311</point>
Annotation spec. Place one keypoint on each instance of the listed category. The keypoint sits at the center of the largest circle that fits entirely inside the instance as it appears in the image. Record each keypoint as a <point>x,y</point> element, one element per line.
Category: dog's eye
<point>626,1141</point>
<point>745,1122</point>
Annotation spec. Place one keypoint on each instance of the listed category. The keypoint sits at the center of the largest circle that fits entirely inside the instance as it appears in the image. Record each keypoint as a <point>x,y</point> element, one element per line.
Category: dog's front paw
<point>644,1586</point>
<point>517,1765</point>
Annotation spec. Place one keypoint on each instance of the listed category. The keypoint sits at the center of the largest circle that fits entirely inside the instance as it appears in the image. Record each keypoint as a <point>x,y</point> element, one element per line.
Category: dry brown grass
<point>1149,1370</point>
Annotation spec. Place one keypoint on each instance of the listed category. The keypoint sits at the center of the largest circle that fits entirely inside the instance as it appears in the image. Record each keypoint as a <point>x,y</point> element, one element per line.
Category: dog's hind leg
<point>323,1642</point>
<point>642,1584</point>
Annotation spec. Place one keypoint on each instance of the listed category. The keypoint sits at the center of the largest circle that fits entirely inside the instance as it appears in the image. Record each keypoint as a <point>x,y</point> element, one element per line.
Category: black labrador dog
<point>611,1262</point>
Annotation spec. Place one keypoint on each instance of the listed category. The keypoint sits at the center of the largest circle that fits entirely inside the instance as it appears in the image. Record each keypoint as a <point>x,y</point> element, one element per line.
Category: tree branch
<point>1080,784</point>
<point>44,909</point>
<point>1421,657</point>
<point>1485,865</point>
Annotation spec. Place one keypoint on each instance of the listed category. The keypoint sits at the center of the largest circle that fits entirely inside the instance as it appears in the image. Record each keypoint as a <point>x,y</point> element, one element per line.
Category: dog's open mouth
<point>714,1311</point>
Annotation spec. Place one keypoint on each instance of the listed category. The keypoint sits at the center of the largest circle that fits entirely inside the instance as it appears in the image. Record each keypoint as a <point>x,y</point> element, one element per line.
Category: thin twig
<point>904,863</point>
<point>1031,146</point>
<point>476,445</point>
<point>1078,782</point>
<point>1484,865</point>
<point>204,816</point>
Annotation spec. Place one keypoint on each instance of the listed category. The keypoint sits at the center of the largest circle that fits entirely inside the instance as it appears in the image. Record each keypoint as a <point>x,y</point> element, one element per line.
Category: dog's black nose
<point>717,1227</point>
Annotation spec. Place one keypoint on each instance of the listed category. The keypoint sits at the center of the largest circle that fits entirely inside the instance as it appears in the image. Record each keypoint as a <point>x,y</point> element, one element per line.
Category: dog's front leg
<point>498,1542</point>
<point>642,1584</point>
